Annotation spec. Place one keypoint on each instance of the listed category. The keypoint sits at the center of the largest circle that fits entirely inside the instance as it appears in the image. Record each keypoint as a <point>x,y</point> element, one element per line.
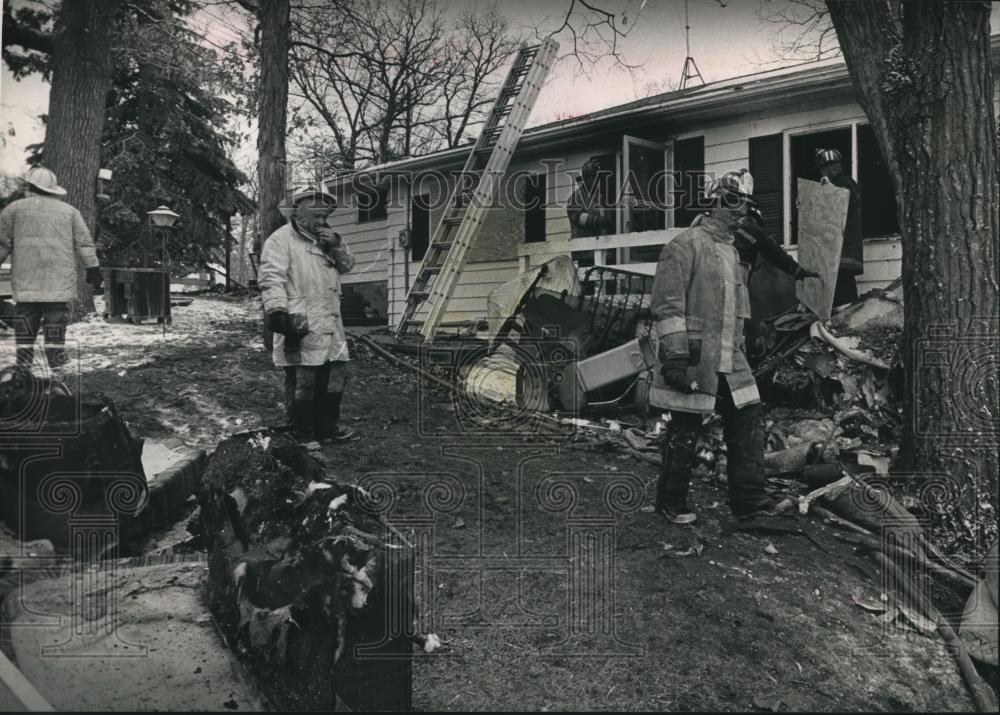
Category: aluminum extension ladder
<point>463,216</point>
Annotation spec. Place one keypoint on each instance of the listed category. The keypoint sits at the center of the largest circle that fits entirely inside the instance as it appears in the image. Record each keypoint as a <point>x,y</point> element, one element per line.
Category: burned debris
<point>313,590</point>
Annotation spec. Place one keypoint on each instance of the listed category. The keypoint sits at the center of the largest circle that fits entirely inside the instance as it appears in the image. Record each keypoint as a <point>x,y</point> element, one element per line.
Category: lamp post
<point>163,218</point>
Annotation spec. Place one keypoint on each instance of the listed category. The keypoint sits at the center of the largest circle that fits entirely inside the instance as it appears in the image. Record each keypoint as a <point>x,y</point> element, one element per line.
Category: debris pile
<point>315,591</point>
<point>65,456</point>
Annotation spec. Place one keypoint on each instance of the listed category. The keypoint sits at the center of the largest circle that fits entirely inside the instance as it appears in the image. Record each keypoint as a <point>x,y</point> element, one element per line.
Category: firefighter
<point>46,239</point>
<point>299,277</point>
<point>587,216</point>
<point>752,240</point>
<point>699,301</point>
<point>831,169</point>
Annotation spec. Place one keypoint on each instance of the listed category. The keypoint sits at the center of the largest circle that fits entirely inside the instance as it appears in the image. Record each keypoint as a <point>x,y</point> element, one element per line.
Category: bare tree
<point>396,79</point>
<point>801,29</point>
<point>479,47</point>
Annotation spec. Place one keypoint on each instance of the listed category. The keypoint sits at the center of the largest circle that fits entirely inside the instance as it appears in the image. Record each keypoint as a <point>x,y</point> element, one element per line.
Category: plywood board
<point>822,215</point>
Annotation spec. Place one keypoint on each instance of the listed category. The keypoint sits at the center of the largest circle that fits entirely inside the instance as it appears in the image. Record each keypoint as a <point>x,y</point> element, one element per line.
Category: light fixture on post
<point>103,178</point>
<point>163,218</point>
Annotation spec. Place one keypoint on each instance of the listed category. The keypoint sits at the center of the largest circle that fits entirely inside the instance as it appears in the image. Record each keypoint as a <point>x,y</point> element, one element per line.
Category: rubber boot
<point>303,419</point>
<point>677,458</point>
<point>328,419</point>
<point>745,437</point>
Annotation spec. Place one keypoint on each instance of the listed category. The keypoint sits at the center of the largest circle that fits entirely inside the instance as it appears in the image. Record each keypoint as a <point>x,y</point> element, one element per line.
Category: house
<point>770,122</point>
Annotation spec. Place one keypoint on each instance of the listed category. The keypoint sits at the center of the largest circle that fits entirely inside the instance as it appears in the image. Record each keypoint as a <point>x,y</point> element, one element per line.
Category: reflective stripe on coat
<point>296,275</point>
<point>700,296</point>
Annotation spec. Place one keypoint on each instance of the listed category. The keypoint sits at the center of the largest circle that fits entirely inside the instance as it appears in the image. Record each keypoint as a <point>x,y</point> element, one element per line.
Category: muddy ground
<point>549,585</point>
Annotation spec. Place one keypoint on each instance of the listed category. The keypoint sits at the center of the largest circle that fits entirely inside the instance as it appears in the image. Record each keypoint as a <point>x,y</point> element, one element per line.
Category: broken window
<point>802,159</point>
<point>373,204</point>
<point>878,197</point>
<point>534,208</point>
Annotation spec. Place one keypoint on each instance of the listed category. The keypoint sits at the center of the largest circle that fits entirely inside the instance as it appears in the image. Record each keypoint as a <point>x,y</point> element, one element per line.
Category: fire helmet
<point>825,157</point>
<point>733,185</point>
<point>44,180</point>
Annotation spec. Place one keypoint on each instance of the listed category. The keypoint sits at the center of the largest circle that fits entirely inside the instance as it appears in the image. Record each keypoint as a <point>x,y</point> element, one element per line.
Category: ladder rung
<point>439,272</point>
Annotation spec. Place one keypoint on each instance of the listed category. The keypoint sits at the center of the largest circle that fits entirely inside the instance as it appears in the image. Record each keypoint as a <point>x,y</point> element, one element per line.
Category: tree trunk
<point>925,80</point>
<point>229,250</point>
<point>271,167</point>
<point>81,78</point>
<point>242,262</point>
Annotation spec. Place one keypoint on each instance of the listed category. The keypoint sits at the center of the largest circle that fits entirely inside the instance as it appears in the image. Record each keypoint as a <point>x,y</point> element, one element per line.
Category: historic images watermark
<point>556,585</point>
<point>503,391</point>
<point>49,495</point>
<point>391,188</point>
<point>901,509</point>
<point>956,368</point>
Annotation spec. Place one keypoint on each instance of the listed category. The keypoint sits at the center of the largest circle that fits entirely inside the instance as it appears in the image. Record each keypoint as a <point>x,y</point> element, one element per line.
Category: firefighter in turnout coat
<point>829,163</point>
<point>699,301</point>
<point>46,239</point>
<point>300,267</point>
<point>586,212</point>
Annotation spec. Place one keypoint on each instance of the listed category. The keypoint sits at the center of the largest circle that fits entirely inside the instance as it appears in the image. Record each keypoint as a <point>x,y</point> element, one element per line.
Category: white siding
<point>726,148</point>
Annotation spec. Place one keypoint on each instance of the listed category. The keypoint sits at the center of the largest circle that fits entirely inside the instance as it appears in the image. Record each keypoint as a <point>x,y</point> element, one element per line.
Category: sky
<point>725,41</point>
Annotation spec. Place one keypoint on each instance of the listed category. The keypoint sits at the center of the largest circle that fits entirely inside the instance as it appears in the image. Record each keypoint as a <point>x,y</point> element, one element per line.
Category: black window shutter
<point>534,189</point>
<point>766,166</point>
<point>689,163</point>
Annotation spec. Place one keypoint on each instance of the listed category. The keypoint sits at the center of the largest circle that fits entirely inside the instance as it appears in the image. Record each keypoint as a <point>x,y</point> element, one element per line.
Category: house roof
<point>768,90</point>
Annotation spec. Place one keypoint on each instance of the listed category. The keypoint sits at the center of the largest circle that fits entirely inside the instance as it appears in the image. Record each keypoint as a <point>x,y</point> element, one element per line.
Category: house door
<point>645,183</point>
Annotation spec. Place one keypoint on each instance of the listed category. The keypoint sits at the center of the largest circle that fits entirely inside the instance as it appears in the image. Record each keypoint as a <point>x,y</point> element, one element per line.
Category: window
<point>689,163</point>
<point>534,208</point>
<point>802,160</point>
<point>766,168</point>
<point>878,198</point>
<point>372,204</point>
<point>420,226</point>
<point>643,188</point>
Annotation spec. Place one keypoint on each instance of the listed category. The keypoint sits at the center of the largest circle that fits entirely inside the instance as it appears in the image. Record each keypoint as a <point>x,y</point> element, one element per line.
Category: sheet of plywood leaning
<point>822,215</point>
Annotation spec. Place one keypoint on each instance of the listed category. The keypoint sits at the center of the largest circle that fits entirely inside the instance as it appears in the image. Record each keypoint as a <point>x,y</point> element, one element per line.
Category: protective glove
<point>296,328</point>
<point>277,320</point>
<point>801,273</point>
<point>94,277</point>
<point>674,369</point>
<point>328,236</point>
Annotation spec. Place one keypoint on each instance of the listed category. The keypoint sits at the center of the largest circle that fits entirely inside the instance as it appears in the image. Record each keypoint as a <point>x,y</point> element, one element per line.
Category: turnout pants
<point>846,289</point>
<point>28,320</point>
<point>743,429</point>
<point>313,396</point>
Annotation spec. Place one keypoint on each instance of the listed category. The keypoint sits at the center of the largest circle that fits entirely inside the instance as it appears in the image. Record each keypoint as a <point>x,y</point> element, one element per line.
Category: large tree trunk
<point>275,26</point>
<point>925,80</point>
<point>81,78</point>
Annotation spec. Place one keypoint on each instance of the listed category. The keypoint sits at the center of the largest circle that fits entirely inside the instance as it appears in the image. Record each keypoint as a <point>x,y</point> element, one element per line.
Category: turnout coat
<point>298,275</point>
<point>700,298</point>
<point>44,236</point>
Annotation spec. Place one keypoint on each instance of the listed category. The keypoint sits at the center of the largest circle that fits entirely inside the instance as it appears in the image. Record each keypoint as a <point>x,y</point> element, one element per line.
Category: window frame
<point>381,191</point>
<point>622,214</point>
<point>786,162</point>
